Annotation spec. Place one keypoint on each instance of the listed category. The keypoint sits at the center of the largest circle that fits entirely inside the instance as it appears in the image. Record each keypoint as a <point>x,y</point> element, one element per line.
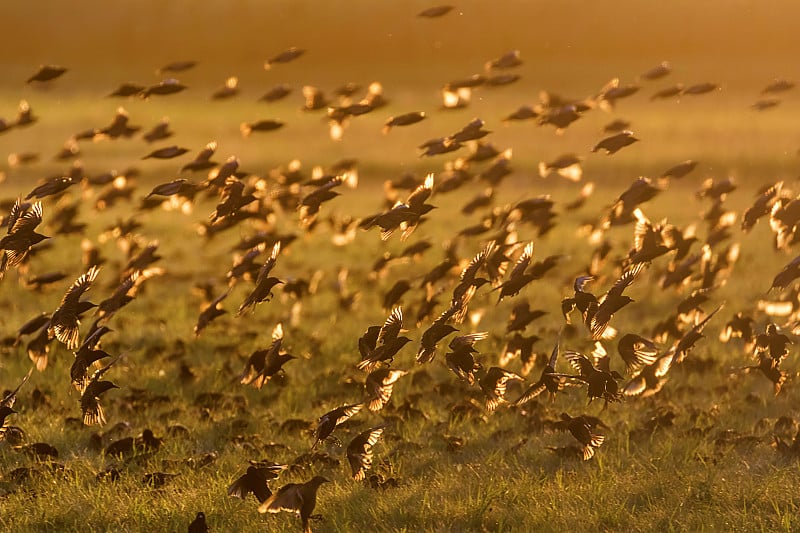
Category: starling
<point>127,89</point>
<point>263,364</point>
<point>508,60</point>
<point>21,235</point>
<point>657,72</point>
<point>701,88</point>
<point>668,92</point>
<point>548,381</point>
<point>379,385</point>
<point>405,119</point>
<point>295,498</point>
<point>493,385</point>
<point>47,73</point>
<point>582,428</point>
<point>773,344</point>
<point>460,360</point>
<point>328,422</point>
<point>518,277</point>
<point>7,406</point>
<point>612,302</point>
<point>230,89</point>
<point>636,351</point>
<point>264,283</point>
<point>202,160</point>
<point>359,451</point>
<point>778,85</point>
<point>255,481</point>
<point>522,113</point>
<point>567,166</point>
<point>786,276</point>
<point>177,66</point>
<point>650,379</point>
<point>435,11</point>
<point>314,99</point>
<point>688,340</point>
<point>211,312</point>
<point>276,93</point>
<point>169,152</point>
<point>261,125</point>
<point>769,367</point>
<point>601,382</point>
<point>615,143</point>
<point>163,88</point>
<point>284,57</point>
<point>435,333</point>
<point>93,412</point>
<point>159,132</point>
<point>377,336</point>
<point>64,323</point>
<point>199,525</point>
<point>85,356</point>
<point>146,442</point>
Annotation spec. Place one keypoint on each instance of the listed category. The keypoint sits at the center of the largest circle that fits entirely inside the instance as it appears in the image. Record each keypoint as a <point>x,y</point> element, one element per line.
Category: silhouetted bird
<point>202,160</point>
<point>163,88</point>
<point>657,72</point>
<point>276,93</point>
<point>159,132</point>
<point>284,57</point>
<point>769,367</point>
<point>47,73</point>
<point>687,342</point>
<point>328,422</point>
<point>359,452</point>
<point>211,312</point>
<point>295,498</point>
<point>64,323</point>
<point>701,88</point>
<point>650,379</point>
<point>494,383</point>
<point>437,331</point>
<point>548,381</point>
<point>255,481</point>
<point>263,364</point>
<point>601,382</point>
<point>435,11</point>
<point>460,359</point>
<point>612,302</point>
<point>7,405</point>
<point>146,442</point>
<point>85,356</point>
<point>93,412</point>
<point>636,351</point>
<point>264,283</point>
<point>379,385</point>
<point>229,90</point>
<point>615,143</point>
<point>668,92</point>
<point>773,344</point>
<point>166,153</point>
<point>261,125</point>
<point>405,119</point>
<point>177,66</point>
<point>583,429</point>
<point>21,235</point>
<point>127,89</point>
<point>199,525</point>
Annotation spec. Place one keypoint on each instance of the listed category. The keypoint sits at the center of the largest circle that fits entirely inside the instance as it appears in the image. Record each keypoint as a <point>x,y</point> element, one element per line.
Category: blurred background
<point>568,47</point>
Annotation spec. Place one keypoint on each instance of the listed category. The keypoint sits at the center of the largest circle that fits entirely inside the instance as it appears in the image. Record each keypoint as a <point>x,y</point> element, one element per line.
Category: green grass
<point>692,476</point>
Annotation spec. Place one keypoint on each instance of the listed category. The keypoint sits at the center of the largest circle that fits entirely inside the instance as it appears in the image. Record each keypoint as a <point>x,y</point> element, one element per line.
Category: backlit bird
<point>297,498</point>
<point>64,323</point>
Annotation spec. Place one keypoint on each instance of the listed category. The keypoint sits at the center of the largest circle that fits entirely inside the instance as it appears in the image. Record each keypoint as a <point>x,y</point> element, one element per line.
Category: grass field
<point>697,456</point>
